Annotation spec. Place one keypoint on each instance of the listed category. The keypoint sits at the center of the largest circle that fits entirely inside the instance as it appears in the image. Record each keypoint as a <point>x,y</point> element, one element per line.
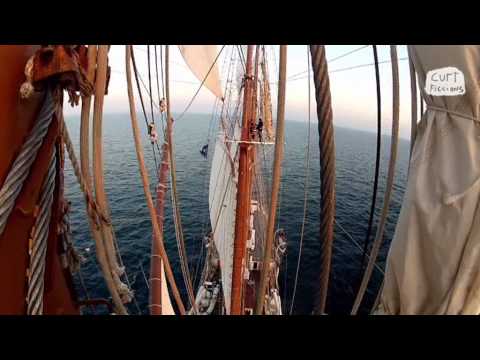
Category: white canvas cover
<point>433,266</point>
<point>200,59</point>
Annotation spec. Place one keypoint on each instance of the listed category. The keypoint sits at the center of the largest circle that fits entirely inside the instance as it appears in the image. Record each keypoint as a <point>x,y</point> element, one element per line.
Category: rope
<point>98,177</point>
<point>97,235</point>
<point>352,68</point>
<point>93,209</point>
<point>327,168</point>
<point>146,187</point>
<point>377,159</point>
<point>21,166</point>
<point>277,172</point>
<point>305,193</point>
<point>413,91</point>
<point>357,244</point>
<point>158,89</point>
<point>329,61</point>
<point>174,195</point>
<point>390,176</point>
<point>137,81</point>
<point>38,244</point>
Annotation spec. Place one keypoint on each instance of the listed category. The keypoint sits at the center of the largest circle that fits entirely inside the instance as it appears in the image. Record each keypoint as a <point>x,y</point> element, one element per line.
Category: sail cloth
<point>167,308</point>
<point>200,59</point>
<point>433,263</point>
<point>222,201</point>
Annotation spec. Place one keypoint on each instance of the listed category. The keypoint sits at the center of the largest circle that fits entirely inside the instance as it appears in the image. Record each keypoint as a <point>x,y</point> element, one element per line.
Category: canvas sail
<point>432,266</point>
<point>222,204</point>
<point>167,308</point>
<point>199,59</point>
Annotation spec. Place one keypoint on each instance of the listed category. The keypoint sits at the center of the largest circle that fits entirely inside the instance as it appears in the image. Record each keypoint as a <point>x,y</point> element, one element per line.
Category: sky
<point>353,90</point>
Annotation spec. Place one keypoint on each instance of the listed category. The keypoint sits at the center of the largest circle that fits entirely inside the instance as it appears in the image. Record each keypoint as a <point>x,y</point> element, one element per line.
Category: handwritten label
<point>447,81</point>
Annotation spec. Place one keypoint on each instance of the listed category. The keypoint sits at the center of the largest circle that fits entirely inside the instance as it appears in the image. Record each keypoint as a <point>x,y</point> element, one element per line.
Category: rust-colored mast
<point>243,190</point>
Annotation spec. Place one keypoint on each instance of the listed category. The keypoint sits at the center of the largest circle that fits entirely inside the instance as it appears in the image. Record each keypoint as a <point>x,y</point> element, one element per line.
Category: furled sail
<point>201,61</point>
<point>267,103</point>
<point>432,266</point>
<point>222,204</point>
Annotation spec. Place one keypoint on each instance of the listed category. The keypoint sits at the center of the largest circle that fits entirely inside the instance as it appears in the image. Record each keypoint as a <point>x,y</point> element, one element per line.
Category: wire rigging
<point>377,158</point>
<point>307,171</point>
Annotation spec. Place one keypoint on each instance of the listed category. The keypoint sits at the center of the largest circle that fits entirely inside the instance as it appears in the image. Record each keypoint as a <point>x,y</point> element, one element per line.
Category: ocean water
<point>355,159</point>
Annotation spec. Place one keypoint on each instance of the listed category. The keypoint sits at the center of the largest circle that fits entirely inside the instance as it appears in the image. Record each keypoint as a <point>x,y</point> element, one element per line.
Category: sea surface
<point>355,161</point>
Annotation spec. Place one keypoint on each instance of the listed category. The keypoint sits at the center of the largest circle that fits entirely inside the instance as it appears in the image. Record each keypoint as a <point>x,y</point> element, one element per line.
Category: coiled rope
<point>390,177</point>
<point>377,159</point>
<point>38,244</point>
<point>21,166</point>
<point>327,168</point>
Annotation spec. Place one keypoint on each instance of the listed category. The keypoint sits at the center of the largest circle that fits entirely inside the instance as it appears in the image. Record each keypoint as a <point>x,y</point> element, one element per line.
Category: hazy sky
<point>353,90</point>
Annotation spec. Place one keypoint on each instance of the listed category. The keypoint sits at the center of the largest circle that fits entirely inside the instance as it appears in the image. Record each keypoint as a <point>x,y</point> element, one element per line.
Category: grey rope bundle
<point>21,166</point>
<point>38,251</point>
<point>327,168</point>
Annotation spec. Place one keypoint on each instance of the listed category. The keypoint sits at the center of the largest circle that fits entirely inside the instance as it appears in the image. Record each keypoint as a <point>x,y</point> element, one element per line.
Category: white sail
<point>222,204</point>
<point>433,263</point>
<point>201,61</point>
<point>167,308</point>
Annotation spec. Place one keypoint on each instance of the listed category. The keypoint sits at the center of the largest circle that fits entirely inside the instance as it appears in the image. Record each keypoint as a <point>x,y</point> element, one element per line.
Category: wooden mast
<point>244,187</point>
<point>277,172</point>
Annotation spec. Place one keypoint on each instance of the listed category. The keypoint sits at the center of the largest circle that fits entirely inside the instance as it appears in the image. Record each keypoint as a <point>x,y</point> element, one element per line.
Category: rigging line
<point>389,186</point>
<point>201,85</point>
<point>307,169</point>
<point>174,195</point>
<point>84,287</point>
<point>224,159</point>
<point>332,60</point>
<point>359,247</point>
<point>150,84</point>
<point>240,56</point>
<point>172,62</point>
<point>353,67</point>
<point>143,106</point>
<point>377,159</point>
<point>146,187</point>
<point>210,130</point>
<point>158,90</point>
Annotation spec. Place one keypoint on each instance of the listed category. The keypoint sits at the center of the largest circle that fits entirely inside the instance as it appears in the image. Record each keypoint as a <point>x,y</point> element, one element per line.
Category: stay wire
<point>307,170</point>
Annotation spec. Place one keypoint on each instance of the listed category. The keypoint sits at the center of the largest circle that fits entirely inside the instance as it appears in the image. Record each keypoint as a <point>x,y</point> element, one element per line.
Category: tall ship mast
<point>431,267</point>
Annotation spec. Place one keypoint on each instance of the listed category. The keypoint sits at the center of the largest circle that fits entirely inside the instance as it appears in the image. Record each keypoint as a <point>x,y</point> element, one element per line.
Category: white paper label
<point>447,81</point>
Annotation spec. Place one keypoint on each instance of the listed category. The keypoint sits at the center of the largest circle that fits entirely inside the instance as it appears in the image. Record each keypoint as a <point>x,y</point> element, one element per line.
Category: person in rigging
<point>204,151</point>
<point>152,132</point>
<point>260,128</point>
